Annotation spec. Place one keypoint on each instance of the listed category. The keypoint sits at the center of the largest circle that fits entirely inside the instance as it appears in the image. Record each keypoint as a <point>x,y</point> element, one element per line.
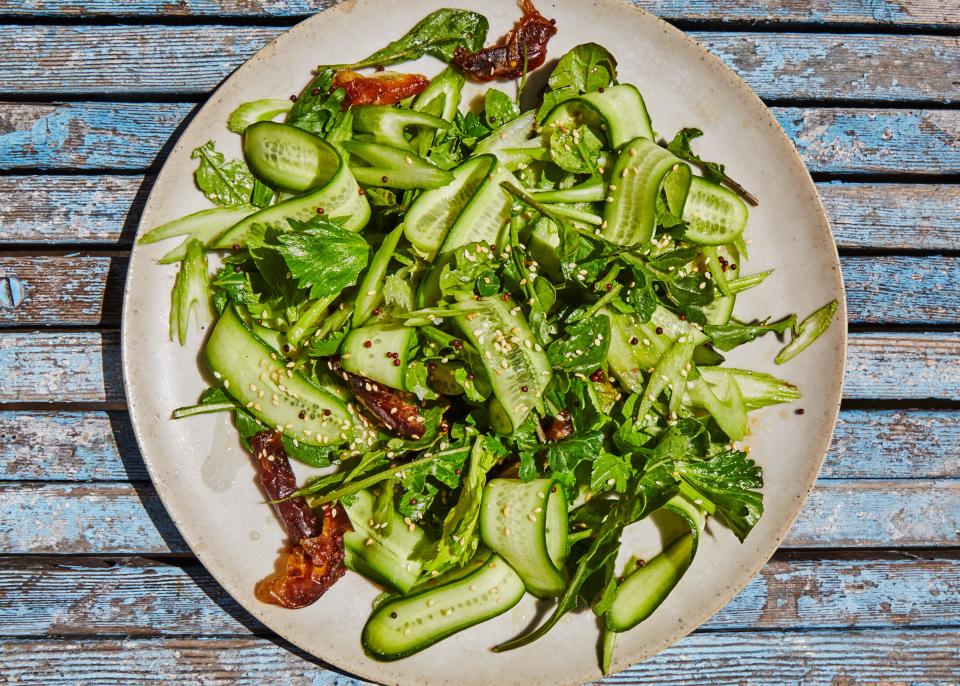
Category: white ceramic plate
<point>207,483</point>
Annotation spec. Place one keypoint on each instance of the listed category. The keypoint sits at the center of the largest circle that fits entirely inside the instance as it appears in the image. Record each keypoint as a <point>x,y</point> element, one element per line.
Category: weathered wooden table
<point>96,585</point>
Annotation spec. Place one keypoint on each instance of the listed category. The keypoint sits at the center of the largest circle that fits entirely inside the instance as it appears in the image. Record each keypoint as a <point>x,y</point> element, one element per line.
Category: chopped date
<point>393,409</point>
<point>505,60</point>
<point>306,571</point>
<point>382,88</point>
<point>559,427</point>
<point>278,481</point>
<point>313,560</point>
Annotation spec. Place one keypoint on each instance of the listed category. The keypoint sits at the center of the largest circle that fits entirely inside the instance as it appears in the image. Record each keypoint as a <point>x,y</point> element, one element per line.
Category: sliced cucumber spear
<point>406,625</point>
<point>618,113</point>
<point>645,589</point>
<point>518,367</point>
<point>393,168</point>
<point>285,157</point>
<point>526,523</point>
<point>370,291</point>
<point>258,378</point>
<point>394,558</point>
<point>640,172</point>
<point>378,352</point>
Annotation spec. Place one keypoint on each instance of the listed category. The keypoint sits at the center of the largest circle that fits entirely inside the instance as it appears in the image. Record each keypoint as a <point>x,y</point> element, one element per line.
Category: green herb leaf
<point>314,455</point>
<point>224,183</point>
<point>729,336</point>
<point>460,537</point>
<point>323,256</point>
<point>499,108</point>
<point>584,347</point>
<point>587,67</point>
<point>610,472</point>
<point>731,481</point>
<point>575,151</point>
<point>317,109</point>
<point>438,34</point>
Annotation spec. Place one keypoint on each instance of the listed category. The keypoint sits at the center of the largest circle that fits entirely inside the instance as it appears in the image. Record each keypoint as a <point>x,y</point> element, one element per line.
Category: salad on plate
<point>493,336</point>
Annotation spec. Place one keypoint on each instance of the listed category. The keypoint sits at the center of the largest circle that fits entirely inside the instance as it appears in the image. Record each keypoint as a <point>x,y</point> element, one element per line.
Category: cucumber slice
<point>389,125</point>
<point>256,376</point>
<point>287,158</point>
<point>204,225</point>
<point>715,214</point>
<point>758,389</point>
<point>370,292</point>
<point>638,175</point>
<point>518,368</point>
<point>720,310</point>
<point>619,112</point>
<point>526,523</point>
<point>636,346</point>
<point>395,558</point>
<point>727,405</point>
<point>441,97</point>
<point>249,113</point>
<point>394,168</point>
<point>645,589</point>
<point>511,142</point>
<point>365,352</point>
<point>483,220</point>
<point>407,625</point>
<point>433,213</point>
<point>338,198</point>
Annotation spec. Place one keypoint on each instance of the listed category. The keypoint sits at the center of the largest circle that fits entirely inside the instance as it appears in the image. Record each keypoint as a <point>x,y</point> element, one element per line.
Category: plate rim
<point>731,80</point>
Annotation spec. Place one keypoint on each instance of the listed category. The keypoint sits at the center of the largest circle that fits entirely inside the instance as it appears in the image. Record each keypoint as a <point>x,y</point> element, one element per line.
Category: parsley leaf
<point>323,256</point>
<point>731,482</point>
<point>584,348</point>
<point>499,108</point>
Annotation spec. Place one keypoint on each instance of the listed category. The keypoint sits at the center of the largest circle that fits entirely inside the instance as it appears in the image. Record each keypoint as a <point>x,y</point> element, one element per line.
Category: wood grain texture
<point>879,13</point>
<point>87,290</point>
<point>920,658</point>
<point>194,59</point>
<point>97,210</point>
<point>893,216</point>
<point>71,446</point>
<point>122,519</point>
<point>104,211</point>
<point>138,597</point>
<point>79,290</point>
<point>904,366</point>
<point>85,366</point>
<point>100,446</point>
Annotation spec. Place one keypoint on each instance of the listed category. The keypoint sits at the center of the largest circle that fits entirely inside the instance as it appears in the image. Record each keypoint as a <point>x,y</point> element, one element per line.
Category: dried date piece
<point>313,560</point>
<point>382,88</point>
<point>559,427</point>
<point>505,60</point>
<point>395,410</point>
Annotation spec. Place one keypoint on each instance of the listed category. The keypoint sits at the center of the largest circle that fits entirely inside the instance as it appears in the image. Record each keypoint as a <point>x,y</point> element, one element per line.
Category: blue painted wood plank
<point>75,290</point>
<point>194,59</point>
<point>87,135</point>
<point>902,290</point>
<point>69,446</point>
<point>902,13</point>
<point>928,657</point>
<point>81,596</point>
<point>106,135</point>
<point>904,365</point>
<point>81,367</point>
<point>893,216</point>
<point>86,290</point>
<point>120,519</point>
<point>103,210</point>
<point>894,444</point>
<point>84,367</point>
<point>99,446</point>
